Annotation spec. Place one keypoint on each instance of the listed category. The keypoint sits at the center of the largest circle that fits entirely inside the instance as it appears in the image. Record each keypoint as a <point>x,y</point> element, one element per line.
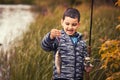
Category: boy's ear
<point>79,24</point>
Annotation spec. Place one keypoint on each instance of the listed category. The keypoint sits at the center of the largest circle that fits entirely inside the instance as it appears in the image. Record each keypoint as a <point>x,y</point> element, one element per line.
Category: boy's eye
<point>67,23</point>
<point>74,24</point>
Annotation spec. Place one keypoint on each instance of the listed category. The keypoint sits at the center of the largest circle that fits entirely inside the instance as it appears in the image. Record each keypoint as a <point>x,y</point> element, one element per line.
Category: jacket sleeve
<point>85,52</point>
<point>48,44</point>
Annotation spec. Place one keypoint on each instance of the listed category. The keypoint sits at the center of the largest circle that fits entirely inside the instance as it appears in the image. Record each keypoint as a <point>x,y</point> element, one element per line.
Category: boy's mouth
<point>70,31</point>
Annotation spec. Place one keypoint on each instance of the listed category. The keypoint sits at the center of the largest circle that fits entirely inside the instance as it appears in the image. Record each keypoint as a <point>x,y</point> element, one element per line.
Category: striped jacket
<point>72,55</point>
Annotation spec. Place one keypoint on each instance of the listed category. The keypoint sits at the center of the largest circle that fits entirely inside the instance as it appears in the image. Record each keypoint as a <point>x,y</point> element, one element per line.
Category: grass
<point>30,62</point>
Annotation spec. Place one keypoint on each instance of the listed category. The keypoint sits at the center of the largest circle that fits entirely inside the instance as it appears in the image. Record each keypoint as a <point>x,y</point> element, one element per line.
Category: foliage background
<point>29,62</point>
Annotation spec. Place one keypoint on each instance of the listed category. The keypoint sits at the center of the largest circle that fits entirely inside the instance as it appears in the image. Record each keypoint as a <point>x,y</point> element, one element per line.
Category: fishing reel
<point>87,62</point>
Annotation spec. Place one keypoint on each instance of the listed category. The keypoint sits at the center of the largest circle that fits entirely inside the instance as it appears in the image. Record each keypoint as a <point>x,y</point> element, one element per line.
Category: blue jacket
<point>72,55</point>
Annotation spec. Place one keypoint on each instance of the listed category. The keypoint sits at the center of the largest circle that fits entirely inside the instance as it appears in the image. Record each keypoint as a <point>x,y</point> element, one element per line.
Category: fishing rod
<point>91,20</point>
<point>87,59</point>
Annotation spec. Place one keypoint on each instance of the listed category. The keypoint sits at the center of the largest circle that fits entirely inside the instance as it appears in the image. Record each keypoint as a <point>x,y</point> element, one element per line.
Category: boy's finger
<point>58,33</point>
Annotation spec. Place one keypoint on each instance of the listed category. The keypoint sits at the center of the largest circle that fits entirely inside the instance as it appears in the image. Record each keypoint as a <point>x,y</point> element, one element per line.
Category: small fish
<point>58,62</point>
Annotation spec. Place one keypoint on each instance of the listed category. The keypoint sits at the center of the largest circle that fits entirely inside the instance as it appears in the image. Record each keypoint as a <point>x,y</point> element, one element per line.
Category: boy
<point>69,47</point>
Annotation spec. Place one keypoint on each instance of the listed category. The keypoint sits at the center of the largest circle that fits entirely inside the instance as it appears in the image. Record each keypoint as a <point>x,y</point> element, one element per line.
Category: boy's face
<point>70,25</point>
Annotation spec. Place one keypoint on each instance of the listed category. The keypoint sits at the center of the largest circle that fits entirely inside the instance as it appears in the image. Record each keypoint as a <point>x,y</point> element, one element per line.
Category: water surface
<point>14,20</point>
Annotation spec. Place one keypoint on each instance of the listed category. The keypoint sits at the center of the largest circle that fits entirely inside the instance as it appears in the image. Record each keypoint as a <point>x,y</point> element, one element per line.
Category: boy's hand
<point>88,68</point>
<point>54,33</point>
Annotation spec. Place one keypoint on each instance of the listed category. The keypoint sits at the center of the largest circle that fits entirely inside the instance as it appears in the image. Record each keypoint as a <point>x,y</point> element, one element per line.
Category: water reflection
<point>14,20</point>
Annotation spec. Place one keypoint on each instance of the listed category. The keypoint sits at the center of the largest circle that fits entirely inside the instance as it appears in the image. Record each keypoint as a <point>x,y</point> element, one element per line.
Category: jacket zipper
<point>75,44</point>
<point>75,58</point>
<point>75,63</point>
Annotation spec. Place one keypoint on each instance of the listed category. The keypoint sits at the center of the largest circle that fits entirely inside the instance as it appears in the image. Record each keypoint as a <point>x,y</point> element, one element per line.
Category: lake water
<point>14,20</point>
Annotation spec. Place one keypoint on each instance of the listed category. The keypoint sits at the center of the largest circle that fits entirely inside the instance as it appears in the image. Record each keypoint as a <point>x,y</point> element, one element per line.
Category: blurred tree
<point>6,1</point>
<point>16,1</point>
<point>52,2</point>
<point>27,1</point>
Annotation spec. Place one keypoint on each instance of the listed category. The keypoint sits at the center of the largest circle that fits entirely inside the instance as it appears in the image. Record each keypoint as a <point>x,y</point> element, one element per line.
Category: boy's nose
<point>70,26</point>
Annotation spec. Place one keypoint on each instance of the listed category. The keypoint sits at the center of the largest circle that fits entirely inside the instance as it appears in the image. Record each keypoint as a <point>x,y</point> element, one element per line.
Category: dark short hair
<point>72,12</point>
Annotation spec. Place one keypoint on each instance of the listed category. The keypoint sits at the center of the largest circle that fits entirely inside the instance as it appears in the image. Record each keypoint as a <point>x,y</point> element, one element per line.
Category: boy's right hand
<point>55,33</point>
